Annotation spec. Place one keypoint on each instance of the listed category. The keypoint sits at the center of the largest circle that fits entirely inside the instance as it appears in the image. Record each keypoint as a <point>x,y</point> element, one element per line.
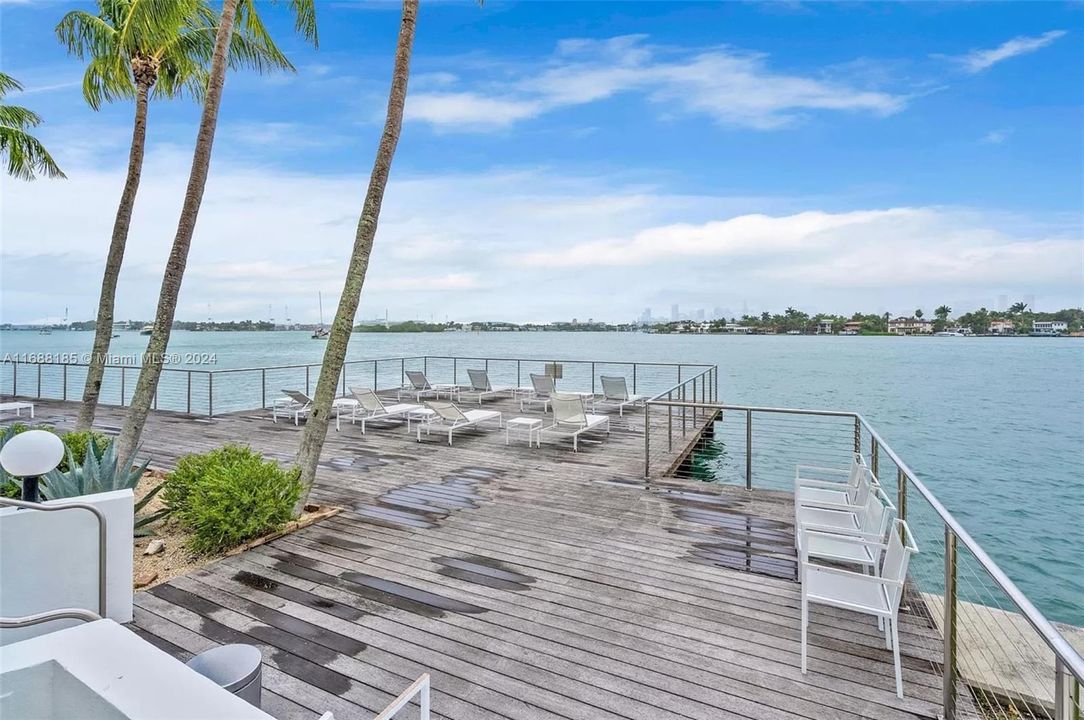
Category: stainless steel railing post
<point>402,371</point>
<point>647,440</point>
<point>857,434</point>
<point>210,394</point>
<point>307,368</point>
<point>39,381</point>
<point>64,393</point>
<point>189,401</point>
<point>874,452</point>
<point>748,449</point>
<point>122,386</point>
<point>592,378</point>
<point>263,387</point>
<point>15,378</point>
<point>901,495</point>
<point>519,373</point>
<point>375,379</point>
<point>948,672</point>
<point>670,421</point>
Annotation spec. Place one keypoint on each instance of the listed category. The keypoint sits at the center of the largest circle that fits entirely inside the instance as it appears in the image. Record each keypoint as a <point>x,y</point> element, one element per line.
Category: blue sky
<point>579,159</point>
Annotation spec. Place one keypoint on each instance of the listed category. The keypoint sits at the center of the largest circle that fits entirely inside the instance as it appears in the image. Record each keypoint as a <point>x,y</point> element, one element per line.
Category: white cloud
<point>507,244</point>
<point>730,86</point>
<point>996,137</point>
<point>978,60</point>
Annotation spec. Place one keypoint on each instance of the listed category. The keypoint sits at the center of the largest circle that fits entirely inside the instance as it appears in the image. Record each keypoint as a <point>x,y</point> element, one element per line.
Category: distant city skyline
<point>594,159</point>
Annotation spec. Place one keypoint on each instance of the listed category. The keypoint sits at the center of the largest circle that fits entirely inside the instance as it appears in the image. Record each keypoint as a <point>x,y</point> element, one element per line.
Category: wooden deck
<point>531,583</point>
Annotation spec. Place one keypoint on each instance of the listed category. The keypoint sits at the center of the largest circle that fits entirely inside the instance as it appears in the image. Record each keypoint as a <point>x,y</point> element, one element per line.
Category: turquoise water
<point>994,426</point>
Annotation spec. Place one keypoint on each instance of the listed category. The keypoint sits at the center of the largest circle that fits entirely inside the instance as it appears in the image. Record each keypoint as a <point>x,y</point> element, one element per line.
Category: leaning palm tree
<point>235,13</point>
<point>312,439</point>
<point>25,156</point>
<point>142,50</point>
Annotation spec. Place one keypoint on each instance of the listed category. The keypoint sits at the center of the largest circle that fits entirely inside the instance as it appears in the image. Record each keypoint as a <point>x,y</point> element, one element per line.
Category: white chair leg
<point>805,625</point>
<point>896,656</point>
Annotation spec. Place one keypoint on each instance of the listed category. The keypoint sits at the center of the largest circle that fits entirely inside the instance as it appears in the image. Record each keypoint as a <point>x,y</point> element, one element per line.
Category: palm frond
<point>7,84</point>
<point>18,117</point>
<point>84,34</point>
<point>26,157</point>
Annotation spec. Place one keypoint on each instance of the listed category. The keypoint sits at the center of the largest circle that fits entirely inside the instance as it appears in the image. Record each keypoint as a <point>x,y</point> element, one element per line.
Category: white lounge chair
<point>833,485</point>
<point>544,386</point>
<point>419,387</point>
<point>295,403</point>
<point>570,418</point>
<point>452,418</point>
<point>878,594</point>
<point>615,393</point>
<point>481,387</point>
<point>370,407</point>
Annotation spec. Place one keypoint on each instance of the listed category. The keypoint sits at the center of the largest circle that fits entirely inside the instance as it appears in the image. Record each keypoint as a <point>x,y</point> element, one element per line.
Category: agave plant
<point>100,472</point>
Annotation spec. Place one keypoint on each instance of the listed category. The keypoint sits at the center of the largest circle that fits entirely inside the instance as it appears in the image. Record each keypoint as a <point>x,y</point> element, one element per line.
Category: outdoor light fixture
<point>30,455</point>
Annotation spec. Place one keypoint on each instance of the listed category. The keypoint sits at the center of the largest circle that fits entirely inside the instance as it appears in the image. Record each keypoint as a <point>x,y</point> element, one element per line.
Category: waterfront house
<point>1049,327</point>
<point>824,327</point>
<point>910,326</point>
<point>1001,327</point>
<point>852,327</point>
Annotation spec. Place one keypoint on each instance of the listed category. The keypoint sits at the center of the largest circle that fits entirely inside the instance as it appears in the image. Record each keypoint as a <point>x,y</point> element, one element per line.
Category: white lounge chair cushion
<point>594,420</point>
<point>401,408</point>
<point>474,416</point>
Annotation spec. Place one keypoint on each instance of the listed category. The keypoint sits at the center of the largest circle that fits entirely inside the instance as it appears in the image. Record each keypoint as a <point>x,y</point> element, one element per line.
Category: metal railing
<point>992,641</point>
<point>215,392</point>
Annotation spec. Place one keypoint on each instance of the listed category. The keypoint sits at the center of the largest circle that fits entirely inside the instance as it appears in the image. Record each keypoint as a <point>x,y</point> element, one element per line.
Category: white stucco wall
<point>49,560</point>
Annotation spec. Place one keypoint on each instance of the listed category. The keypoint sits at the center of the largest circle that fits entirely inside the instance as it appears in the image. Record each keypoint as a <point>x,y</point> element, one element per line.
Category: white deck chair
<point>878,595</point>
<point>868,521</point>
<point>481,387</point>
<point>544,386</point>
<point>452,418</point>
<point>370,407</point>
<point>615,393</point>
<point>295,403</point>
<point>418,386</point>
<point>833,485</point>
<point>570,418</point>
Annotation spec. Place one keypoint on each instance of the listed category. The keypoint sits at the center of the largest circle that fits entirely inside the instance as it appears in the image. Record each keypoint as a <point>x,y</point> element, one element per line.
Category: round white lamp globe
<point>32,453</point>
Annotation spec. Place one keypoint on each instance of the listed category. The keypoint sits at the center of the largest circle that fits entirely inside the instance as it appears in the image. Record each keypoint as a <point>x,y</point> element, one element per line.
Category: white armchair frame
<point>878,594</point>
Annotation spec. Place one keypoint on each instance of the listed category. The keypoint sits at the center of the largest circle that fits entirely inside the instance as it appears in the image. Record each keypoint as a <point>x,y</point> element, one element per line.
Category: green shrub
<point>230,495</point>
<point>78,442</point>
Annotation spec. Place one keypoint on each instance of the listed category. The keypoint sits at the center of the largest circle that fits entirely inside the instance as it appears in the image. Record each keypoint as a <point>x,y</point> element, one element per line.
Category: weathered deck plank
<point>531,583</point>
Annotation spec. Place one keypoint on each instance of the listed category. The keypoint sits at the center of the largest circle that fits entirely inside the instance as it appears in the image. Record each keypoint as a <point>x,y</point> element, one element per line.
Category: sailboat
<point>321,332</point>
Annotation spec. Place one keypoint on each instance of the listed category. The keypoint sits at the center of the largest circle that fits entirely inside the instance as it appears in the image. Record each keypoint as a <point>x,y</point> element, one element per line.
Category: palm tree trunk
<point>103,329</point>
<point>312,439</point>
<point>186,226</point>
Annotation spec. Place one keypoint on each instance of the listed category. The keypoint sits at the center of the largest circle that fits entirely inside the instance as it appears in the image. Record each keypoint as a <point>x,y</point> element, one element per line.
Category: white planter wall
<point>49,560</point>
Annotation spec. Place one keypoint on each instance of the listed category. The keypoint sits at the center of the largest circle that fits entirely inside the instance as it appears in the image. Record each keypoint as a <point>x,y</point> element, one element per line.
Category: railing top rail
<point>382,359</point>
<point>684,381</point>
<point>1046,630</point>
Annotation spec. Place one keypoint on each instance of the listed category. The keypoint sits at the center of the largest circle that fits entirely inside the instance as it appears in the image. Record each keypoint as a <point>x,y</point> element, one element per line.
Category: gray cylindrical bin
<point>235,667</point>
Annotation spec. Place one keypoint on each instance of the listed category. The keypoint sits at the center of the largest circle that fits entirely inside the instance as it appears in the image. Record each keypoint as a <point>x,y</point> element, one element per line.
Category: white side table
<point>422,416</point>
<point>532,426</point>
<point>344,406</point>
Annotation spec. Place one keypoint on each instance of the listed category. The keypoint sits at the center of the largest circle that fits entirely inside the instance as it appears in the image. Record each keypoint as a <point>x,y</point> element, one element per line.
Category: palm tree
<point>240,13</point>
<point>25,156</point>
<point>312,439</point>
<point>136,49</point>
<point>918,313</point>
<point>943,312</point>
<point>1018,308</point>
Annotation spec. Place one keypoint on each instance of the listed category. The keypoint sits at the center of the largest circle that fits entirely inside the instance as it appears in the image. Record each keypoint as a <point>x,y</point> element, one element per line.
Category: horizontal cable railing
<point>990,641</point>
<point>214,392</point>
